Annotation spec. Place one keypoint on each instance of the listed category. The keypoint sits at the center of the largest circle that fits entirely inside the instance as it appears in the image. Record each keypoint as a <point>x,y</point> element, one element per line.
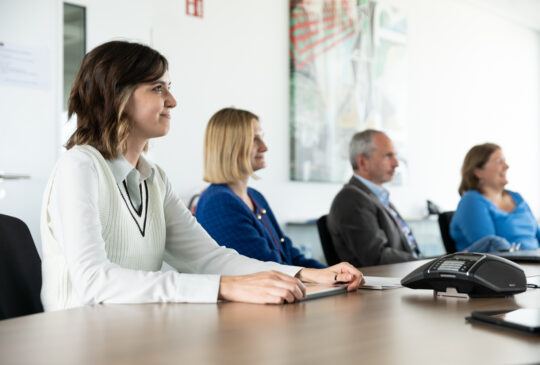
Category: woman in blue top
<point>235,215</point>
<point>488,217</point>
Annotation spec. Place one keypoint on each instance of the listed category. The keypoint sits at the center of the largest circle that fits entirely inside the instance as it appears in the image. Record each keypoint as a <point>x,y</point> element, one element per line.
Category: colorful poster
<point>347,73</point>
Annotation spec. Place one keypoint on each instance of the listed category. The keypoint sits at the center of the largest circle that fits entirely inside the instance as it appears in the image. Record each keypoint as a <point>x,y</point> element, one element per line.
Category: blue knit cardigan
<point>254,234</point>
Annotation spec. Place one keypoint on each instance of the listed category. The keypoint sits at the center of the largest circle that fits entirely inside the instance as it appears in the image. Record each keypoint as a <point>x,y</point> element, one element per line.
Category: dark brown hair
<point>476,158</point>
<point>107,77</point>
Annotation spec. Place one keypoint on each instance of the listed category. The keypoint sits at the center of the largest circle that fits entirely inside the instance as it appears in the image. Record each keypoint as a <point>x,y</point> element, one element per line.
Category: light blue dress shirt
<point>379,191</point>
<point>133,177</point>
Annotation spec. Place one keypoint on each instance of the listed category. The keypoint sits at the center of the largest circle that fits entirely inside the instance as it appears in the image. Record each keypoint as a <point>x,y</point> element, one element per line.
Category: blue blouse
<point>254,234</point>
<point>477,217</point>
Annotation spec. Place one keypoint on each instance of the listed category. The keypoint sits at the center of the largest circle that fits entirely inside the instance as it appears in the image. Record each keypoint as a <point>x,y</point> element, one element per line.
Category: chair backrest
<point>444,225</point>
<point>326,242</point>
<point>20,270</point>
<point>192,205</point>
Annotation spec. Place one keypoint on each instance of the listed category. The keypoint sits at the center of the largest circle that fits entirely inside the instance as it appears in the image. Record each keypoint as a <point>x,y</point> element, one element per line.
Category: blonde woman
<point>234,214</point>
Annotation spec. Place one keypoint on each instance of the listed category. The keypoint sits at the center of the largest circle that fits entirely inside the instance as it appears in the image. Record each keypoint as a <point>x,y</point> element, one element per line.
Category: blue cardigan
<point>231,223</point>
<point>477,217</point>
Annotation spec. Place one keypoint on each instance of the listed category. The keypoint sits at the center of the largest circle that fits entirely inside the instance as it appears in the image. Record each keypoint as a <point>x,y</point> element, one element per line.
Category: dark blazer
<point>363,232</point>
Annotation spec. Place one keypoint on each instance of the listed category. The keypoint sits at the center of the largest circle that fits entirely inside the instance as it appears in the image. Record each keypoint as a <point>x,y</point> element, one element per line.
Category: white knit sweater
<point>98,249</point>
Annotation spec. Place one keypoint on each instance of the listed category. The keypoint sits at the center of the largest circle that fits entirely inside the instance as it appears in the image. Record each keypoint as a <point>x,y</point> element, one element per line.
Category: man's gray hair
<point>361,144</point>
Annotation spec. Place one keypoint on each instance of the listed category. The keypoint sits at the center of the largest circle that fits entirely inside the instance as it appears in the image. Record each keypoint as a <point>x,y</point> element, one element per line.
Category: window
<point>74,44</point>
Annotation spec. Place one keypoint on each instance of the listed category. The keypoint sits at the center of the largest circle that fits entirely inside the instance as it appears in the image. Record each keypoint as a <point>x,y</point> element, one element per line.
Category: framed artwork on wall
<point>347,73</point>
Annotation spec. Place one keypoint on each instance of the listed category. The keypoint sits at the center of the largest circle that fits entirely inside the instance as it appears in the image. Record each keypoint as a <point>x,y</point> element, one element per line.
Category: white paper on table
<point>381,283</point>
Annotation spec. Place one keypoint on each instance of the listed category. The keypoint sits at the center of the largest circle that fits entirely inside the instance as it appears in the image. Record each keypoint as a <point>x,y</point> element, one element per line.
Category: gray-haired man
<point>366,228</point>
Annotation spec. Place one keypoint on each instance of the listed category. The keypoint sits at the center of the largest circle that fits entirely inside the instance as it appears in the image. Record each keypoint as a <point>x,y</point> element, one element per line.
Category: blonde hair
<point>476,158</point>
<point>228,142</point>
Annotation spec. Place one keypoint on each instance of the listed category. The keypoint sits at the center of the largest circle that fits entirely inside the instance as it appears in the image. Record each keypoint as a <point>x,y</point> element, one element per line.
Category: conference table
<point>396,326</point>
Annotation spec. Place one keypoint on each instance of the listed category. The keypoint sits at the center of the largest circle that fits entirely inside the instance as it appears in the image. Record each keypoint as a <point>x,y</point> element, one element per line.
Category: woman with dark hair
<point>110,217</point>
<point>488,217</point>
<point>234,214</point>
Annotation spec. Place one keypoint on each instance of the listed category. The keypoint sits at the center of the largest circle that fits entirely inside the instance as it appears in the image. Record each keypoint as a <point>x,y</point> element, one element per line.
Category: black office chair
<point>326,242</point>
<point>444,225</point>
<point>20,270</point>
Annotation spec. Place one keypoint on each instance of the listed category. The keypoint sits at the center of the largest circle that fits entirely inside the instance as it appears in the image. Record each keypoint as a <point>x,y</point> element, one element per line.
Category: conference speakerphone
<point>473,274</point>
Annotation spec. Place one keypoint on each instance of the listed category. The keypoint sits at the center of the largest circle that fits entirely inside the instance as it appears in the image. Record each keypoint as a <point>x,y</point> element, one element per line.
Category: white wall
<point>30,119</point>
<point>28,116</point>
<point>474,77</point>
<point>237,55</point>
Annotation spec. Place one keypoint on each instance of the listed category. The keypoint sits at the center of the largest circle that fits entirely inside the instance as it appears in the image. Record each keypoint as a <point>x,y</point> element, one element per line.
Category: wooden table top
<point>398,326</point>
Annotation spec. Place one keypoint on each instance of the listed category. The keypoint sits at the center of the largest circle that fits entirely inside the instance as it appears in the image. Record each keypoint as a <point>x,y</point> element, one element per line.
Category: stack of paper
<point>381,283</point>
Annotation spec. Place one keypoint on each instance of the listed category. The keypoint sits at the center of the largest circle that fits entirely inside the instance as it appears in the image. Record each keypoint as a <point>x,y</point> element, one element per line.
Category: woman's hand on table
<point>270,287</point>
<point>340,273</point>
